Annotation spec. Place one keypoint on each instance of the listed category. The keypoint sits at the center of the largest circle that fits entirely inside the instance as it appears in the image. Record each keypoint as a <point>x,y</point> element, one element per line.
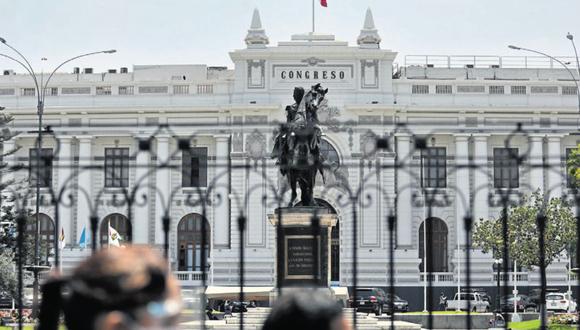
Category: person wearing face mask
<point>115,289</point>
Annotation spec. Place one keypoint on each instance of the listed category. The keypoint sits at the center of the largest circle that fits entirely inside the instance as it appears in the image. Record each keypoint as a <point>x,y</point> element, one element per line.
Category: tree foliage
<point>523,232</point>
<point>574,166</point>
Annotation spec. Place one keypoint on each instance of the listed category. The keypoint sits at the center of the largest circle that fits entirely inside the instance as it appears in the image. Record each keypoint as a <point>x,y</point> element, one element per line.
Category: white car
<point>476,303</point>
<point>560,302</point>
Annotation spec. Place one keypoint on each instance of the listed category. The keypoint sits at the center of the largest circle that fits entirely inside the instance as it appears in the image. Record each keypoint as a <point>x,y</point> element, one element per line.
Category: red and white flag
<point>323,3</point>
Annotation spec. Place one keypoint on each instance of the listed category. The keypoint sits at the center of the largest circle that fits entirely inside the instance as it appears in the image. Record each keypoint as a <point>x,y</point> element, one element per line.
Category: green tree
<point>523,232</point>
<point>574,166</point>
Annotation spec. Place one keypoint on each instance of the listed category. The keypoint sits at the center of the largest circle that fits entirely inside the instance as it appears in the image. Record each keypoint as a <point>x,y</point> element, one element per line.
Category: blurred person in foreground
<point>115,289</point>
<point>306,310</point>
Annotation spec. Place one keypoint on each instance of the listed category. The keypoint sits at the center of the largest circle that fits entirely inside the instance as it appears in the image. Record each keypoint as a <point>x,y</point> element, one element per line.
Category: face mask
<point>159,315</point>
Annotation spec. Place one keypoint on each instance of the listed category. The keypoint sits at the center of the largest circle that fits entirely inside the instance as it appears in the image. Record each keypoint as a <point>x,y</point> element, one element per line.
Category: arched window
<point>118,222</point>
<point>439,247</point>
<point>46,237</point>
<point>189,242</point>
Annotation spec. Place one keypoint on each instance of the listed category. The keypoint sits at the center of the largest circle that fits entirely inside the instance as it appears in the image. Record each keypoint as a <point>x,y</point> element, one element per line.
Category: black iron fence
<point>251,143</point>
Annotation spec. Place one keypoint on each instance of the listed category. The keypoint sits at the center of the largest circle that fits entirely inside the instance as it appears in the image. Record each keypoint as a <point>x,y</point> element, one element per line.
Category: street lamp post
<point>40,89</point>
<point>571,38</point>
<point>498,263</point>
<point>558,61</point>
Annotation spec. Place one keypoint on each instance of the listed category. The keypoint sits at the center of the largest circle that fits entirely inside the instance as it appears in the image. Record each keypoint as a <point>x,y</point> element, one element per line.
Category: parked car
<point>370,300</point>
<point>477,304</point>
<point>399,304</point>
<point>523,303</point>
<point>560,302</point>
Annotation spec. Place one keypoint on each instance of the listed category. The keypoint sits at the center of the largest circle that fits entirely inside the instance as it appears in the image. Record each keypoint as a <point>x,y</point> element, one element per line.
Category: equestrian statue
<point>297,145</point>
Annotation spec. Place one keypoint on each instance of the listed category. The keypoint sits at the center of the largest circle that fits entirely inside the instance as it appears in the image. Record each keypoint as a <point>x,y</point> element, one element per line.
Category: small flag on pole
<point>61,242</point>
<point>114,237</point>
<point>323,3</point>
<point>83,239</point>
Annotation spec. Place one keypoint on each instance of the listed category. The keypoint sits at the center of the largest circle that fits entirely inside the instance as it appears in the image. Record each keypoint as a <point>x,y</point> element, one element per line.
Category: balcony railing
<point>510,276</point>
<point>190,278</point>
<point>438,277</point>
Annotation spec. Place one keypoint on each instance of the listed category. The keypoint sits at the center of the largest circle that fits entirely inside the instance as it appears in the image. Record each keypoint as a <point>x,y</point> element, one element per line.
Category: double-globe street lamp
<point>40,87</point>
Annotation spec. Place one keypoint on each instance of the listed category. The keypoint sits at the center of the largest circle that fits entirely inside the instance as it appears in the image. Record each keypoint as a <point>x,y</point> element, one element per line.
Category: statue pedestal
<point>305,259</point>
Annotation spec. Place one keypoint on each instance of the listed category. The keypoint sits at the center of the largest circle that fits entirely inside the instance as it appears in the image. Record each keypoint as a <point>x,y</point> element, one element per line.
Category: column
<point>555,171</point>
<point>141,215</point>
<point>461,184</point>
<point>163,184</point>
<point>85,187</point>
<point>536,162</point>
<point>480,177</point>
<point>404,201</point>
<point>221,225</point>
<point>65,162</point>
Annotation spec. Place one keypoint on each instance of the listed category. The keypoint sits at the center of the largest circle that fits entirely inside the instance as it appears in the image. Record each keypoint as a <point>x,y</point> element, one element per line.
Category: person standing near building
<point>442,301</point>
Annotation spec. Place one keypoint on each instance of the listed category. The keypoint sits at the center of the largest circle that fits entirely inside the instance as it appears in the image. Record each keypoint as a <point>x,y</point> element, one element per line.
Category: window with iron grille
<point>204,89</point>
<point>434,167</point>
<point>194,167</point>
<point>28,92</point>
<point>116,167</point>
<point>443,89</point>
<point>103,90</point>
<point>420,89</point>
<point>126,90</point>
<point>505,168</point>
<point>46,158</point>
<point>496,90</point>
<point>519,90</point>
<point>571,181</point>
<point>569,90</point>
<point>181,89</point>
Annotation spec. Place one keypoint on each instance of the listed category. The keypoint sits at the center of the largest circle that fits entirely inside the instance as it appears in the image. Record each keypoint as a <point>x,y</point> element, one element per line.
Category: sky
<point>205,31</point>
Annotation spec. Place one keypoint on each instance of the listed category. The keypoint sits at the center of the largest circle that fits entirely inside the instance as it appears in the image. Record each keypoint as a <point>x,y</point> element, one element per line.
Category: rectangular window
<point>434,167</point>
<point>420,89</point>
<point>6,91</point>
<point>46,158</point>
<point>544,89</point>
<point>505,168</point>
<point>519,90</point>
<point>28,92</point>
<point>470,89</point>
<point>570,180</point>
<point>126,90</point>
<point>204,89</point>
<point>116,167</point>
<point>51,91</point>
<point>496,90</point>
<point>103,90</point>
<point>76,90</point>
<point>443,89</point>
<point>194,167</point>
<point>181,89</point>
<point>569,90</point>
<point>153,89</point>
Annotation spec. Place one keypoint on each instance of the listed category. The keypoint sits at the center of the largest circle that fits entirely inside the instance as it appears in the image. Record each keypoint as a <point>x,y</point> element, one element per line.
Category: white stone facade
<point>467,110</point>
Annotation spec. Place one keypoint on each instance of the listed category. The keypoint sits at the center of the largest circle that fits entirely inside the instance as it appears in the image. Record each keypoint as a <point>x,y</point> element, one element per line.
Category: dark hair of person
<point>304,310</point>
<point>118,279</point>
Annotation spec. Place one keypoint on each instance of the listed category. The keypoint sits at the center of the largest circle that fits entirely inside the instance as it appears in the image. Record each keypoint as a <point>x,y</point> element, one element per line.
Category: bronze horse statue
<point>297,145</point>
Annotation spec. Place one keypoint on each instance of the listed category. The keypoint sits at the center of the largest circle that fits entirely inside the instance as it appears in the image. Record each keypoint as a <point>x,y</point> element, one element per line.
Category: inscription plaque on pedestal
<point>301,260</point>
